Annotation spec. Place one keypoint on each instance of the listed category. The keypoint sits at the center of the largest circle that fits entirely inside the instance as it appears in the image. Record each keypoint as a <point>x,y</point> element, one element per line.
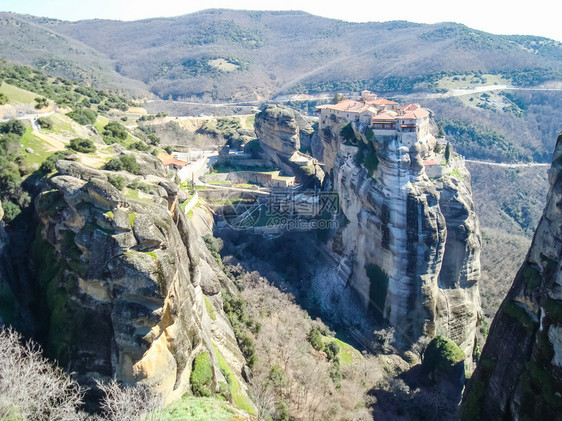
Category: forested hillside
<point>250,55</point>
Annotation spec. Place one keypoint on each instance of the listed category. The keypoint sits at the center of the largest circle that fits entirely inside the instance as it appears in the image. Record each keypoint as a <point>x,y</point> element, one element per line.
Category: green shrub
<point>41,102</point>
<point>45,123</point>
<point>114,164</point>
<point>235,310</point>
<point>123,163</point>
<point>282,411</point>
<point>314,337</point>
<point>115,130</point>
<point>139,146</point>
<point>13,126</point>
<point>201,375</point>
<point>49,164</point>
<point>441,354</point>
<point>11,210</point>
<point>137,185</point>
<point>82,145</point>
<point>153,139</point>
<point>117,181</point>
<point>83,116</point>
<point>332,349</point>
<point>3,98</point>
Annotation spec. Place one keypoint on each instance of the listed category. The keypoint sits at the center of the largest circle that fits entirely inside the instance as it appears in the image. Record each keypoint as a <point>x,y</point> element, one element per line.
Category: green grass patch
<point>151,254</point>
<point>40,154</point>
<point>347,353</point>
<point>249,121</point>
<point>219,182</point>
<point>245,186</point>
<point>209,307</point>
<point>456,173</point>
<point>190,408</point>
<point>61,123</point>
<point>15,94</point>
<point>134,195</point>
<point>239,398</point>
<point>100,123</point>
<point>132,219</point>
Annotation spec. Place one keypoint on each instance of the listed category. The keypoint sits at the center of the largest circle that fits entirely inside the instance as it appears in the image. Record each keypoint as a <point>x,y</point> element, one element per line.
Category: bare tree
<point>136,403</point>
<point>31,388</point>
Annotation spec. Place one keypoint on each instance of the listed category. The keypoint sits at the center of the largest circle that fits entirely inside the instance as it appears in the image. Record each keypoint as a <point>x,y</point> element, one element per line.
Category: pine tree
<point>448,152</point>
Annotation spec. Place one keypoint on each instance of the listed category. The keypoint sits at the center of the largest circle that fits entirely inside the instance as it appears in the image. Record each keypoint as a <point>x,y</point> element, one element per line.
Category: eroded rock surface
<point>123,280</point>
<point>283,133</point>
<point>410,244</point>
<point>519,375</point>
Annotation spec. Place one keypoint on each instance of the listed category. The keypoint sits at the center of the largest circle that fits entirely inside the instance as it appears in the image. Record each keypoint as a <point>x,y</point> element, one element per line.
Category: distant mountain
<point>227,54</point>
<point>24,40</point>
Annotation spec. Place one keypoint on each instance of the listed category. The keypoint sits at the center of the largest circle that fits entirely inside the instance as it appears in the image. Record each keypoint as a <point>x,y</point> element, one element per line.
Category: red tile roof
<point>431,163</point>
<point>385,115</point>
<point>382,101</point>
<point>416,114</point>
<point>347,105</point>
<point>170,160</point>
<point>410,107</point>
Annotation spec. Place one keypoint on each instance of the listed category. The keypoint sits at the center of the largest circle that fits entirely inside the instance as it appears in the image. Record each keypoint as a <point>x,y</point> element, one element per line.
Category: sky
<point>506,17</point>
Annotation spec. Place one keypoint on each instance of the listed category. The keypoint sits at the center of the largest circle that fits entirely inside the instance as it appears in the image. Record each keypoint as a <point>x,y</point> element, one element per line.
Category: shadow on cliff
<point>290,262</point>
<point>413,395</point>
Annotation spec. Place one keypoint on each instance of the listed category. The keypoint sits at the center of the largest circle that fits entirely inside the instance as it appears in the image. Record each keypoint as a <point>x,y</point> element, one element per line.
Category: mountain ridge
<point>263,52</point>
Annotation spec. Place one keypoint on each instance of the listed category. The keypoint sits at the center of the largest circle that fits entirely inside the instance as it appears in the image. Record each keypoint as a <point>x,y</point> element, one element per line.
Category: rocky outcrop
<point>410,244</point>
<point>282,133</point>
<point>279,128</point>
<point>519,375</point>
<point>131,289</point>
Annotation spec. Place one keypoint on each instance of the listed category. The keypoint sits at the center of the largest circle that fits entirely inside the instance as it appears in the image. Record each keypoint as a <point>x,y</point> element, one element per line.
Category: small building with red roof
<point>171,163</point>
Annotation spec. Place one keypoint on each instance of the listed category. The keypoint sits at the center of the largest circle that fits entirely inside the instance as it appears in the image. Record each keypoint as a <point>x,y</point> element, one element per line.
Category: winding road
<point>508,165</point>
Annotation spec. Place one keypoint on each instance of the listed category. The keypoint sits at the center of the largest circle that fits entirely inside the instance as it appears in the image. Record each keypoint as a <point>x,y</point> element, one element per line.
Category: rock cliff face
<point>519,375</point>
<point>8,306</point>
<point>282,133</point>
<point>131,289</point>
<point>410,245</point>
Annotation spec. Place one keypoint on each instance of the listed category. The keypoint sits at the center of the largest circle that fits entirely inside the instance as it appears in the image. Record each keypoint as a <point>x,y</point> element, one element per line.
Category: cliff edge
<point>519,375</point>
<point>131,290</point>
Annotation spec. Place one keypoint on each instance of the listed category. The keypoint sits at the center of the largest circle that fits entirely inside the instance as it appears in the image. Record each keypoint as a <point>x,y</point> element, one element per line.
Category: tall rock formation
<point>132,292</point>
<point>283,133</point>
<point>410,244</point>
<point>519,375</point>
